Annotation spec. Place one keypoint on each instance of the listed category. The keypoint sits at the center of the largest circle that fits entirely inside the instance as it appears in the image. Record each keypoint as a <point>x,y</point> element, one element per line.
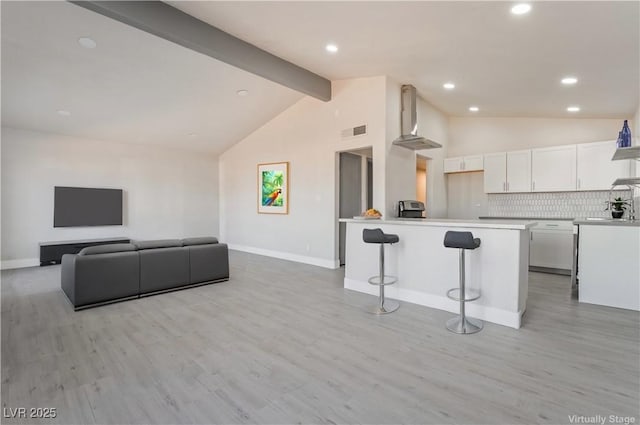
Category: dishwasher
<point>551,247</point>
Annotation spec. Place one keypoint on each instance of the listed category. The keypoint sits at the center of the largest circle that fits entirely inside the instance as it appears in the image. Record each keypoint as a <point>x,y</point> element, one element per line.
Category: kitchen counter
<point>426,269</point>
<point>606,222</point>
<point>527,218</point>
<point>608,268</point>
<point>437,222</point>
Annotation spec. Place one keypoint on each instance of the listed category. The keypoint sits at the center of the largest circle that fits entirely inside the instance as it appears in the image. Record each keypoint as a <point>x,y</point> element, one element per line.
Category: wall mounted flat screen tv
<point>83,206</point>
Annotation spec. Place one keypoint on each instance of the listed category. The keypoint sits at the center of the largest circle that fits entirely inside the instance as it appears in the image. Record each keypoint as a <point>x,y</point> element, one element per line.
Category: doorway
<point>355,189</point>
<point>421,179</point>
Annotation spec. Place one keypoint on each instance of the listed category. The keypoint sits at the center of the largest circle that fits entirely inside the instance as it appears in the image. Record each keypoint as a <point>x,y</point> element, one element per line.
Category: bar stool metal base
<point>464,325</point>
<point>389,306</point>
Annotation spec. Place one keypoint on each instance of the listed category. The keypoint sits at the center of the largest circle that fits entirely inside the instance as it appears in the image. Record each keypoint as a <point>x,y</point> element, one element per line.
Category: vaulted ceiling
<point>135,87</point>
<point>132,87</point>
<point>507,65</point>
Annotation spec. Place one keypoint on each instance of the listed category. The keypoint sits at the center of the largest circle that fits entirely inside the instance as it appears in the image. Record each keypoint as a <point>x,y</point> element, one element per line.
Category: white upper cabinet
<point>473,163</point>
<point>596,170</point>
<point>495,173</point>
<point>519,171</point>
<point>463,164</point>
<point>453,165</point>
<point>507,172</point>
<point>553,169</point>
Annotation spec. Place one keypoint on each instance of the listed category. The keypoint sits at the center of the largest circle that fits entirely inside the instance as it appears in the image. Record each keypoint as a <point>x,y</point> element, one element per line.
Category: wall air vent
<point>354,131</point>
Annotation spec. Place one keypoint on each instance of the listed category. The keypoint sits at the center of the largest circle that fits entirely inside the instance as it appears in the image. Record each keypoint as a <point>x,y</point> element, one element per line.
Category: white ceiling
<point>507,65</point>
<point>133,87</point>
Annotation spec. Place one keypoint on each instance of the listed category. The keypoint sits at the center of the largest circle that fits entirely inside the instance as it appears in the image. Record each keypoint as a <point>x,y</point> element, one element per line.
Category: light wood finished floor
<point>285,343</point>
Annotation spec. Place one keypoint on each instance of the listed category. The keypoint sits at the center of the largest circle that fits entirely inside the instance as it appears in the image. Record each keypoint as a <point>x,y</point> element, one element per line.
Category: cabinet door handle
<point>462,164</point>
<point>507,186</point>
<point>531,233</point>
<point>534,185</point>
<point>578,183</point>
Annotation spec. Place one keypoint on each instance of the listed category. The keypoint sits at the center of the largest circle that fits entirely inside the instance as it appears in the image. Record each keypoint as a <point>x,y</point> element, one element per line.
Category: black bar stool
<point>379,237</point>
<point>462,324</point>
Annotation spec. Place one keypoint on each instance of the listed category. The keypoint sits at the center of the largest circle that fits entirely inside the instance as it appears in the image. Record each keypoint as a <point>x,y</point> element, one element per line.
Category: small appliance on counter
<point>410,209</point>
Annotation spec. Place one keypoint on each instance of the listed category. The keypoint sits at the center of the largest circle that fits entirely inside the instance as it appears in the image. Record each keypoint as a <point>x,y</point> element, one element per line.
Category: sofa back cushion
<point>206,240</point>
<point>107,249</point>
<point>161,243</point>
<point>163,268</point>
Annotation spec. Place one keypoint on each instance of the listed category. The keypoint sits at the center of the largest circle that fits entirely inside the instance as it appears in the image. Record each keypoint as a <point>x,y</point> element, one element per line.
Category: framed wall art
<point>273,188</point>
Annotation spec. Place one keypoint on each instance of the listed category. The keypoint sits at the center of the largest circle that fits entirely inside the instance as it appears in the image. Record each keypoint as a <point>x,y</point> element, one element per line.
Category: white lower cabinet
<point>608,265</point>
<point>551,245</point>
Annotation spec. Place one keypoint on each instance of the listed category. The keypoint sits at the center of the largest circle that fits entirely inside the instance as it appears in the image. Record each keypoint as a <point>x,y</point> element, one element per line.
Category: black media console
<point>52,252</point>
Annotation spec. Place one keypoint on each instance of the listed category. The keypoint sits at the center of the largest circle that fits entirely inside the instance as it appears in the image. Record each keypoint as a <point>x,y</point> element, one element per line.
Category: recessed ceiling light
<point>331,48</point>
<point>193,134</point>
<point>64,112</point>
<point>87,43</point>
<point>242,92</point>
<point>474,108</point>
<point>521,9</point>
<point>449,86</point>
<point>573,109</point>
<point>569,80</point>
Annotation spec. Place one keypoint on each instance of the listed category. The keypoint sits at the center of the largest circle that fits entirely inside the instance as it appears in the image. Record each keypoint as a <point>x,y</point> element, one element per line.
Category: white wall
<point>434,125</point>
<point>308,136</point>
<point>400,162</point>
<point>168,193</point>
<point>467,199</point>
<point>476,135</point>
<point>635,127</point>
<point>486,135</point>
<point>635,133</point>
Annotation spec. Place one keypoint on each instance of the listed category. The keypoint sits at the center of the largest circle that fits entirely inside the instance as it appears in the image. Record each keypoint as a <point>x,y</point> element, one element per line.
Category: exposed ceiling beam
<point>162,20</point>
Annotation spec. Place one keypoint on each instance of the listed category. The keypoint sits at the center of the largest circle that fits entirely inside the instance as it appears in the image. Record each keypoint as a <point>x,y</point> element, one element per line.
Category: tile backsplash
<point>552,204</point>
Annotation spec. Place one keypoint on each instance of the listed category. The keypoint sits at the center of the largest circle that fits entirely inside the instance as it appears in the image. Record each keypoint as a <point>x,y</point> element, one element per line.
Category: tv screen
<point>83,206</point>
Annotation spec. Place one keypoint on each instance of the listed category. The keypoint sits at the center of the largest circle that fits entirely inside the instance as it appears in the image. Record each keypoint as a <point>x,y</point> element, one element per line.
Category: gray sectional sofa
<point>106,273</point>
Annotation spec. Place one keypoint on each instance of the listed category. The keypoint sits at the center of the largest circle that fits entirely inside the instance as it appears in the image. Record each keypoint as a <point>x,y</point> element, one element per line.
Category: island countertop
<point>443,222</point>
<point>426,269</point>
<point>606,222</point>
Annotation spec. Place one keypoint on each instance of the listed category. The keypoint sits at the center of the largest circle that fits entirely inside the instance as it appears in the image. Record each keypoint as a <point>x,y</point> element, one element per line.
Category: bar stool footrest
<point>471,294</point>
<point>388,280</point>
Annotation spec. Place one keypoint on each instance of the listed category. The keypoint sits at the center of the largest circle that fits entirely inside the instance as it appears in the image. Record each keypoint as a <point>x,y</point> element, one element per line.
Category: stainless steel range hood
<point>409,123</point>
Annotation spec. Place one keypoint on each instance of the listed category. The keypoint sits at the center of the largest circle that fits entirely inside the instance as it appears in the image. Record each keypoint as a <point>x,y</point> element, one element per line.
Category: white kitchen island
<point>426,269</point>
<point>609,262</point>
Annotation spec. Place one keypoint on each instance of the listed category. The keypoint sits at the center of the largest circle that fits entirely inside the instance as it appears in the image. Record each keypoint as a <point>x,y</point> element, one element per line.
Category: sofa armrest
<point>208,262</point>
<point>68,276</point>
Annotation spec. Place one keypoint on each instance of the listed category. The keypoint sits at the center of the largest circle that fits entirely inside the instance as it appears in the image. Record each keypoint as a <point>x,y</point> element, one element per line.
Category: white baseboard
<point>18,264</point>
<point>478,311</point>
<point>321,262</point>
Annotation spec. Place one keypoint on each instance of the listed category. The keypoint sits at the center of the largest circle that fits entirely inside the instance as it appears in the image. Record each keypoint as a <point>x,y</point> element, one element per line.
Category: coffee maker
<point>410,209</point>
